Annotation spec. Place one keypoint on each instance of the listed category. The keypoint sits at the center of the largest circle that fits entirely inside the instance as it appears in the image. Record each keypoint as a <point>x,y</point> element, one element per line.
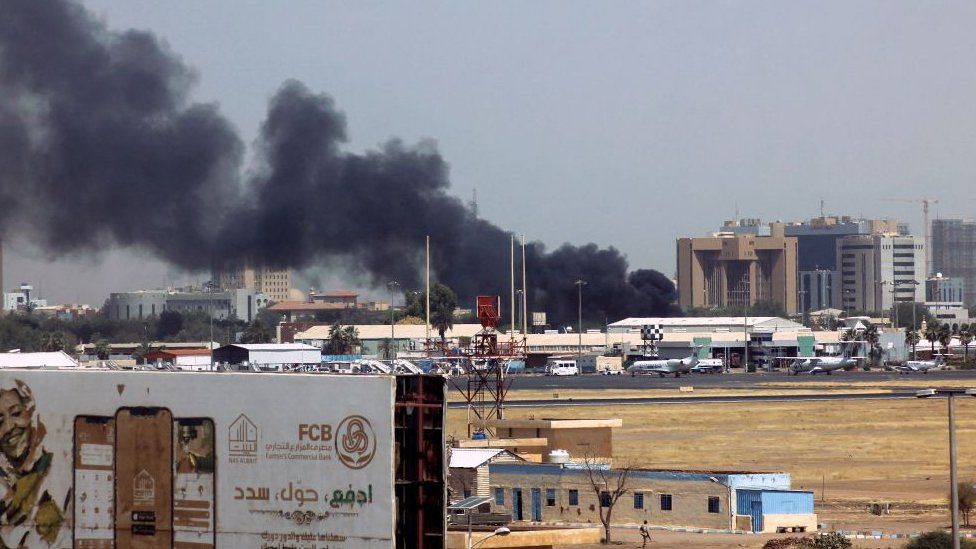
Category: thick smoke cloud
<point>100,146</point>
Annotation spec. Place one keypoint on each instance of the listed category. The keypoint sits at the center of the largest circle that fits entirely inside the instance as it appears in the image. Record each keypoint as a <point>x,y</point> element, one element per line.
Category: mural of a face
<point>16,429</point>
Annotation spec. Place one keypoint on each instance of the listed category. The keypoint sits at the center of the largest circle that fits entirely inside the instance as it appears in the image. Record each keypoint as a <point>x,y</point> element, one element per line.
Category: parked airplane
<point>822,364</point>
<point>662,367</point>
<point>923,366</point>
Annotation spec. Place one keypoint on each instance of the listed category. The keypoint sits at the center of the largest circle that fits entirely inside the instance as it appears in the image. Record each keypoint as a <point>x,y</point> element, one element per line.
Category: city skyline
<point>662,105</point>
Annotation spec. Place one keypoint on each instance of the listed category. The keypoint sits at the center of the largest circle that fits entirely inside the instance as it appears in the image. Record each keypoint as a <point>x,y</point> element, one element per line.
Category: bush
<point>832,540</point>
<point>938,539</point>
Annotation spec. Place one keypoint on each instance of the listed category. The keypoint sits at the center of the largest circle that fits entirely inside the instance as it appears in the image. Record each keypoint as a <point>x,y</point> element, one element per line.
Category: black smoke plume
<point>99,145</point>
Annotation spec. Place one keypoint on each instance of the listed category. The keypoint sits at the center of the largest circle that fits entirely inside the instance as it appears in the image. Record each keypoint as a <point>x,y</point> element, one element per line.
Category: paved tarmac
<point>732,381</point>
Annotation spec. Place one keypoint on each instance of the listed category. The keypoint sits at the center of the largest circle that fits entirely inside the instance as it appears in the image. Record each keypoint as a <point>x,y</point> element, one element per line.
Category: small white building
<point>57,359</point>
<point>274,355</point>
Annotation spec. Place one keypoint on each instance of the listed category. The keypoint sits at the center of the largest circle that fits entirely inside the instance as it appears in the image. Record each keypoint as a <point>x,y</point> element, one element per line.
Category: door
<point>537,504</point>
<point>143,478</point>
<point>516,504</point>
<point>755,511</point>
<point>94,461</point>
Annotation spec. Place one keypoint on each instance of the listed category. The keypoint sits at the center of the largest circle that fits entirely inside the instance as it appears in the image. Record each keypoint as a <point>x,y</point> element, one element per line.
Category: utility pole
<point>393,284</point>
<point>579,289</point>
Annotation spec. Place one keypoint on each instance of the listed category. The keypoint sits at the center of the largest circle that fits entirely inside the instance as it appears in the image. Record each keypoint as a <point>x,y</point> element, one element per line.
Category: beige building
<point>749,501</point>
<point>733,270</point>
<point>273,283</point>
<point>535,439</point>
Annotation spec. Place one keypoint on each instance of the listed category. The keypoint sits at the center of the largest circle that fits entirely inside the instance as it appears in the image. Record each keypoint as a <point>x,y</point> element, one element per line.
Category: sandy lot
<point>848,452</point>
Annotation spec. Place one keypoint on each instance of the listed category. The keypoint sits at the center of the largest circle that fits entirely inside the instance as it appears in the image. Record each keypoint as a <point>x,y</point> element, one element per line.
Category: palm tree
<point>945,338</point>
<point>965,338</point>
<point>102,349</point>
<point>350,339</point>
<point>912,338</point>
<point>931,334</point>
<point>872,338</point>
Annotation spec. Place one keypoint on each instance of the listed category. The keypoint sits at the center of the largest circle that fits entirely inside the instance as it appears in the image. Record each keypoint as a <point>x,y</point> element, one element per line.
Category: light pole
<point>500,531</point>
<point>210,285</point>
<point>391,353</point>
<point>953,487</point>
<point>579,290</point>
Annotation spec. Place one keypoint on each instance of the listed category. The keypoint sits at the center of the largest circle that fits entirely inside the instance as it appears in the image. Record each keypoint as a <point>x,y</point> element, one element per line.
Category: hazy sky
<point>624,124</point>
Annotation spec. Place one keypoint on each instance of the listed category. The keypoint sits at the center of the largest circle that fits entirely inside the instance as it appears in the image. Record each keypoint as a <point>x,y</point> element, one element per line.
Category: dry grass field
<point>859,450</point>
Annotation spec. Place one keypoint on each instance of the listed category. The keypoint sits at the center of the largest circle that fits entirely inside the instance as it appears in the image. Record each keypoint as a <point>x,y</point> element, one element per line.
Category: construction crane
<point>925,202</point>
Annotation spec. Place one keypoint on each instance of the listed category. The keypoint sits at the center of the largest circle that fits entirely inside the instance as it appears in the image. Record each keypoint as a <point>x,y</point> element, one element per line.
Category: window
<point>499,496</point>
<point>574,497</point>
<point>665,502</point>
<point>604,499</point>
<point>467,493</point>
<point>713,504</point>
<point>638,500</point>
<point>550,497</point>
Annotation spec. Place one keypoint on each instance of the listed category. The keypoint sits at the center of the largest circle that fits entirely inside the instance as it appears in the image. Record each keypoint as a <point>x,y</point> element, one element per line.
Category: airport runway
<point>698,399</point>
<point>732,381</point>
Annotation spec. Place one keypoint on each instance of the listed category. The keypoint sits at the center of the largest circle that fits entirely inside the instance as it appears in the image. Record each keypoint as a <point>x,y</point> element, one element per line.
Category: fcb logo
<point>355,442</point>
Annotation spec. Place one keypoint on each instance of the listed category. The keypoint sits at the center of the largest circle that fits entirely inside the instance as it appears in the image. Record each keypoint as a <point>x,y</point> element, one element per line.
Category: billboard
<point>100,459</point>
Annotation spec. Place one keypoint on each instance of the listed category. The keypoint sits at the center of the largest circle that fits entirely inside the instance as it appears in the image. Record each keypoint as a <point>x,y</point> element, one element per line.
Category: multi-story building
<point>945,289</point>
<point>735,270</point>
<point>877,270</point>
<point>816,241</point>
<point>242,304</point>
<point>272,282</point>
<point>954,253</point>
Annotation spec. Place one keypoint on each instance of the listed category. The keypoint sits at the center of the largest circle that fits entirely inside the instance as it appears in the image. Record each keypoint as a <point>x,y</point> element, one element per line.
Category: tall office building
<point>732,270</point>
<point>816,239</point>
<point>877,270</point>
<point>954,253</point>
<point>273,283</point>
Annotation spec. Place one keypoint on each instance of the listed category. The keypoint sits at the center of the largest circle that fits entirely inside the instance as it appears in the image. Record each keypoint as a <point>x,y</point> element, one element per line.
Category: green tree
<point>103,349</point>
<point>385,348</point>
<point>966,339</point>
<point>169,325</point>
<point>931,334</point>
<point>443,303</point>
<point>937,539</point>
<point>904,313</point>
<point>342,340</point>
<point>945,338</point>
<point>912,338</point>
<point>967,500</point>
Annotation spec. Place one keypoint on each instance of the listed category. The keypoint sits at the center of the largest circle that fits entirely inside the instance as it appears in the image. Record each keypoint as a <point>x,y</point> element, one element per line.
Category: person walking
<point>645,535</point>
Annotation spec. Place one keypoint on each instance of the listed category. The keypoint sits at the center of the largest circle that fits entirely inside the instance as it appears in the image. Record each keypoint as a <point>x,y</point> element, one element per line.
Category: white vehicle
<point>562,368</point>
<point>921,366</point>
<point>709,366</point>
<point>822,364</point>
<point>102,458</point>
<point>662,367</point>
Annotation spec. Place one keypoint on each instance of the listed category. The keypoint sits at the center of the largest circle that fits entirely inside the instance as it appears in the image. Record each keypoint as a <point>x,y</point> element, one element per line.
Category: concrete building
<point>22,299</point>
<point>535,439</point>
<point>735,270</point>
<point>407,337</point>
<point>954,253</point>
<point>242,304</point>
<point>276,284</point>
<point>348,298</point>
<point>877,270</point>
<point>945,288</point>
<point>817,251</point>
<point>749,501</point>
<point>468,470</point>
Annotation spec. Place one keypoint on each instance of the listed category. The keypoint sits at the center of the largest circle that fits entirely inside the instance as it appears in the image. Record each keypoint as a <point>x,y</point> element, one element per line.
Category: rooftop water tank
<point>559,456</point>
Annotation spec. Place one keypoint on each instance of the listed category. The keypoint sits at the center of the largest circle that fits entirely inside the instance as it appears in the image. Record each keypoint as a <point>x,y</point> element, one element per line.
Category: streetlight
<point>500,531</point>
<point>579,289</point>
<point>210,286</point>
<point>953,488</point>
<point>393,285</point>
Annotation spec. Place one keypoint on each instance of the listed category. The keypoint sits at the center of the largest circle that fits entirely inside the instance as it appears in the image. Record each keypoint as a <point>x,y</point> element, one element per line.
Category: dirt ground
<point>661,540</point>
<point>849,453</point>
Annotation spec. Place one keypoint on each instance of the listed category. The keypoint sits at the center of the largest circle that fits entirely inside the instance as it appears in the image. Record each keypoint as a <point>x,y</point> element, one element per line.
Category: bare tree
<point>608,485</point>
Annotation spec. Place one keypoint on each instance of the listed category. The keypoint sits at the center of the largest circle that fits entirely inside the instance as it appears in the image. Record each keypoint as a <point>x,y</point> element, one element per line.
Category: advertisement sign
<point>98,459</point>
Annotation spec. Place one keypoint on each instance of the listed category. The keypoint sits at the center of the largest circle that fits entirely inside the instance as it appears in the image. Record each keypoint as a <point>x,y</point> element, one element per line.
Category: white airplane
<point>662,367</point>
<point>923,366</point>
<point>822,364</point>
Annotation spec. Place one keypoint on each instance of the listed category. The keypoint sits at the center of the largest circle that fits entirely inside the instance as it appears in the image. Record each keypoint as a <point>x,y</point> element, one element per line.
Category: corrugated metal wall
<point>783,503</point>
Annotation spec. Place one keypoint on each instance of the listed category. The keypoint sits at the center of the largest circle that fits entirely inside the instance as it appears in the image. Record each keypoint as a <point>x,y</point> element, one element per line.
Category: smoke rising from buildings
<point>100,145</point>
